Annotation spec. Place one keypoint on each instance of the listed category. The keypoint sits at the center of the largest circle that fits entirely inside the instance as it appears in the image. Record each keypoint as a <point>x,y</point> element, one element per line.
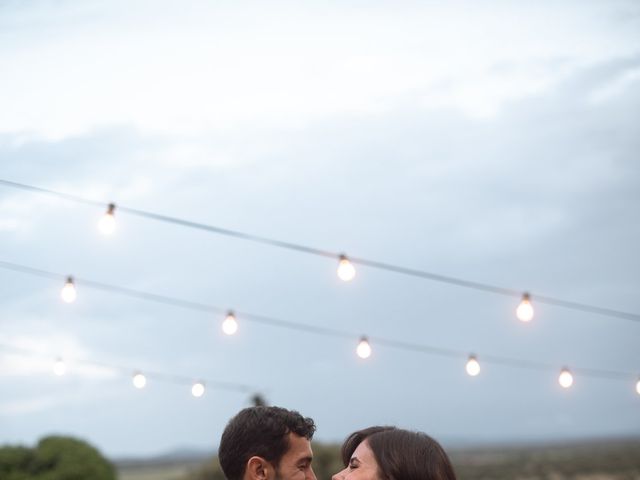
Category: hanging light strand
<point>68,292</point>
<point>107,223</point>
<point>363,350</point>
<point>230,324</point>
<point>139,380</point>
<point>61,367</point>
<point>418,273</point>
<point>472,367</point>
<point>524,312</point>
<point>565,379</point>
<point>330,332</point>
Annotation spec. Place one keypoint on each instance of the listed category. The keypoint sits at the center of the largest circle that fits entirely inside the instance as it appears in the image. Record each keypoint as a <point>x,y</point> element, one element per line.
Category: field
<point>588,461</point>
<point>175,470</point>
<point>619,460</point>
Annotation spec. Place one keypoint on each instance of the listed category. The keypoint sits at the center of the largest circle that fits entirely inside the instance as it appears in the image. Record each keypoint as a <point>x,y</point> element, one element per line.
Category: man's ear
<point>257,469</point>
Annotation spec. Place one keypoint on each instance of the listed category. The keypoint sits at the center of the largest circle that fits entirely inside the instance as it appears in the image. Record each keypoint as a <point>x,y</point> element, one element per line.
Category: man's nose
<point>313,475</point>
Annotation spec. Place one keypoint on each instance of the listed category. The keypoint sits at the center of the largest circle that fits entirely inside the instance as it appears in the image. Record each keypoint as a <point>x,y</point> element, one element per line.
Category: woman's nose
<point>339,475</point>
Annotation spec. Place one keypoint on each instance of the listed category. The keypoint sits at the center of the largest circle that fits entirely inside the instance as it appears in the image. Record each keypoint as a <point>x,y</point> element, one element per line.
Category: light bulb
<point>638,387</point>
<point>59,367</point>
<point>197,390</point>
<point>565,379</point>
<point>139,380</point>
<point>525,309</point>
<point>473,367</point>
<point>346,270</point>
<point>230,324</point>
<point>107,223</point>
<point>364,349</point>
<point>68,292</point>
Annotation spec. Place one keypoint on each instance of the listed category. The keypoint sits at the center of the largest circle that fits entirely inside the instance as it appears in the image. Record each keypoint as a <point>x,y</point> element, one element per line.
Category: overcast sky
<point>491,141</point>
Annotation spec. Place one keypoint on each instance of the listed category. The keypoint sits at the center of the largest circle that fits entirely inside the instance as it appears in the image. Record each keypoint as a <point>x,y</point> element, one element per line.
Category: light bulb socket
<point>70,280</point>
<point>526,297</point>
<point>111,208</point>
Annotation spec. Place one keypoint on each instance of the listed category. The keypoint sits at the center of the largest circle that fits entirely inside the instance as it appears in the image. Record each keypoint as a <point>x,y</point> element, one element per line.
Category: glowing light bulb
<point>565,379</point>
<point>69,292</point>
<point>473,367</point>
<point>638,387</point>
<point>364,349</point>
<point>139,380</point>
<point>230,324</point>
<point>59,367</point>
<point>525,309</point>
<point>346,270</point>
<point>107,223</point>
<point>197,390</point>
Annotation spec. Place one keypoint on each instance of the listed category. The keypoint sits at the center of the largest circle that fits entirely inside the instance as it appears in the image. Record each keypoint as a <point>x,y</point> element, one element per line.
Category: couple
<point>272,443</point>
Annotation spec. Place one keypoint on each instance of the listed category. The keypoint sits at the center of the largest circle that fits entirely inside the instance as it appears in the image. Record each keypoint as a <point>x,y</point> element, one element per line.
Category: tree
<point>55,458</point>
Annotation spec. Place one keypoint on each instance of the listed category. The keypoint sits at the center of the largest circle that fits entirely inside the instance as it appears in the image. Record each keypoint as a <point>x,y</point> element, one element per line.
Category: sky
<point>495,142</point>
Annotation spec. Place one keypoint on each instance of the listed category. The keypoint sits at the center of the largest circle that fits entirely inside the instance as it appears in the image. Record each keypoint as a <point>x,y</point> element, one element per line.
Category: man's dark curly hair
<point>259,431</point>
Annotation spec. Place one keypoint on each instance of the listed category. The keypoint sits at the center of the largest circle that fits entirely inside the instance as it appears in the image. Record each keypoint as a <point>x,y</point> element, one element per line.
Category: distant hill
<point>178,455</point>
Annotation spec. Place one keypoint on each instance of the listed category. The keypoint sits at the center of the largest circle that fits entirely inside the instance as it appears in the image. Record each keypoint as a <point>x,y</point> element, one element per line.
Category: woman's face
<point>362,465</point>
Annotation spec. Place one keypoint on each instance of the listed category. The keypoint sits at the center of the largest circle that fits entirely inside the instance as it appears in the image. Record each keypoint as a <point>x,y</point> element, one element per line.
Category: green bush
<point>55,458</point>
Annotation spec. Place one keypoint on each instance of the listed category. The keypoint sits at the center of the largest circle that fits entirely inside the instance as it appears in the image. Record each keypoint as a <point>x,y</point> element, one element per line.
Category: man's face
<point>295,464</point>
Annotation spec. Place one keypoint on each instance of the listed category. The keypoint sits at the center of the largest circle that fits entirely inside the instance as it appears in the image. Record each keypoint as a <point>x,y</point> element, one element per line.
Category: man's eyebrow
<point>307,459</point>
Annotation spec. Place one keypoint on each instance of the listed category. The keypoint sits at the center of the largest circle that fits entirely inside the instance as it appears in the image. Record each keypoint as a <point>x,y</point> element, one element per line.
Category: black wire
<point>330,332</point>
<point>485,287</point>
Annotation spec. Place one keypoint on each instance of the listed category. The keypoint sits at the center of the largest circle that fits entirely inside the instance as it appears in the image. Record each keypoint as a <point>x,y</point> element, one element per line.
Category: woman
<point>389,453</point>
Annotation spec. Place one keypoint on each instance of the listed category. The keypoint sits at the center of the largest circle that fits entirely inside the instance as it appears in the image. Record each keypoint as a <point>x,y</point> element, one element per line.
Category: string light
<point>314,329</point>
<point>346,270</point>
<point>524,311</point>
<point>197,390</point>
<point>59,367</point>
<point>139,380</point>
<point>473,367</point>
<point>107,223</point>
<point>69,293</point>
<point>363,349</point>
<point>565,379</point>
<point>413,272</point>
<point>230,324</point>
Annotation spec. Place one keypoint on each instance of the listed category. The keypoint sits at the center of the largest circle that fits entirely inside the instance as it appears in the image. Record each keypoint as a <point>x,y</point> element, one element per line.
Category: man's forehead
<point>299,446</point>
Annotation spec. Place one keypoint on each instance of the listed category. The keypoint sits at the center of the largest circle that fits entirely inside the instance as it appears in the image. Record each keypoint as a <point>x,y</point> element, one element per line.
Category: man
<point>267,443</point>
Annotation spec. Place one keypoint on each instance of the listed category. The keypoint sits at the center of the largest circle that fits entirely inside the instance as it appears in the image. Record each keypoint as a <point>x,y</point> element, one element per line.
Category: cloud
<point>626,79</point>
<point>182,74</point>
